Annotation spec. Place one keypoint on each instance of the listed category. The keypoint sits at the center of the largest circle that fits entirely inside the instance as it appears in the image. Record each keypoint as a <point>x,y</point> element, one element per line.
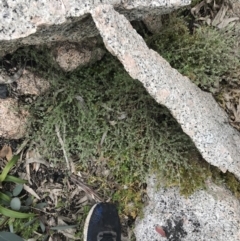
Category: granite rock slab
<point>195,110</point>
<point>212,215</point>
<point>24,22</point>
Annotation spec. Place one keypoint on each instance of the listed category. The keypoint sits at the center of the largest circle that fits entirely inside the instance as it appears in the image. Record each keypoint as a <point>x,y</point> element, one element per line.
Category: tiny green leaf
<point>8,167</point>
<point>14,179</point>
<point>25,208</point>
<point>30,222</point>
<point>4,197</point>
<point>41,205</point>
<point>28,201</point>
<point>13,214</point>
<point>6,236</point>
<point>17,190</point>
<point>8,193</point>
<point>15,204</point>
<point>45,237</point>
<point>42,226</point>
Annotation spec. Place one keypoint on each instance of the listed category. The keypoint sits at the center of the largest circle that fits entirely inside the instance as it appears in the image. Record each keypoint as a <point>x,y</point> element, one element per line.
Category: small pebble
<point>160,230</point>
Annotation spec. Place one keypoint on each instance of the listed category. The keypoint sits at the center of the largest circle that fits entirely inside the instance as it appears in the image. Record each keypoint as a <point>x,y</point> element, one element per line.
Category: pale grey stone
<point>212,214</point>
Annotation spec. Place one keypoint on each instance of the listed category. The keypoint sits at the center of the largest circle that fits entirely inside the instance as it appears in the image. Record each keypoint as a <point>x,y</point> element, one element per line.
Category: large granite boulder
<point>212,214</point>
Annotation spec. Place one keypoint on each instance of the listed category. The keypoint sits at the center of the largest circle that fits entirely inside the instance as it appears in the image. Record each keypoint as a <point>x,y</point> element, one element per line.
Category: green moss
<point>103,100</point>
<point>204,55</point>
<point>232,183</point>
<point>129,199</point>
<point>194,179</point>
<point>227,179</point>
<point>189,177</point>
<point>22,228</point>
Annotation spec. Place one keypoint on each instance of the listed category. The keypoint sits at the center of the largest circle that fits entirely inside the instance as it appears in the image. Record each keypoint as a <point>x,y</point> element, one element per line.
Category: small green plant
<point>11,199</point>
<point>204,55</point>
<point>24,229</point>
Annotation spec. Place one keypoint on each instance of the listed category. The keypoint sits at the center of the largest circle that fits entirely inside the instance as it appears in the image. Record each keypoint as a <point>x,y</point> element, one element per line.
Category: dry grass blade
<point>22,146</point>
<point>81,202</point>
<point>220,15</point>
<point>195,10</point>
<point>211,13</point>
<point>37,160</point>
<point>31,191</point>
<point>85,188</point>
<point>28,174</point>
<point>81,101</point>
<point>236,112</point>
<point>226,21</point>
<point>9,154</point>
<point>33,156</point>
<point>63,149</point>
<point>67,230</point>
<point>103,138</point>
<point>232,106</point>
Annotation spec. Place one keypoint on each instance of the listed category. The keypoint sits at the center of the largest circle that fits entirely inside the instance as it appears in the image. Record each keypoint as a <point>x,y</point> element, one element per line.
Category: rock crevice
<point>25,22</point>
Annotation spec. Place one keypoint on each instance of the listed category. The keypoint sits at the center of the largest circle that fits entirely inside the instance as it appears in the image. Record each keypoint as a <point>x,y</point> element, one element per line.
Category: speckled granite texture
<point>207,215</point>
<point>196,111</point>
<point>29,22</point>
<point>13,119</point>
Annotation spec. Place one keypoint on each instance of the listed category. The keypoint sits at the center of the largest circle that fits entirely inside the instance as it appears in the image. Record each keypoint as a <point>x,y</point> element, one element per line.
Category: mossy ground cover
<point>110,122</point>
<point>113,130</point>
<point>204,54</point>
